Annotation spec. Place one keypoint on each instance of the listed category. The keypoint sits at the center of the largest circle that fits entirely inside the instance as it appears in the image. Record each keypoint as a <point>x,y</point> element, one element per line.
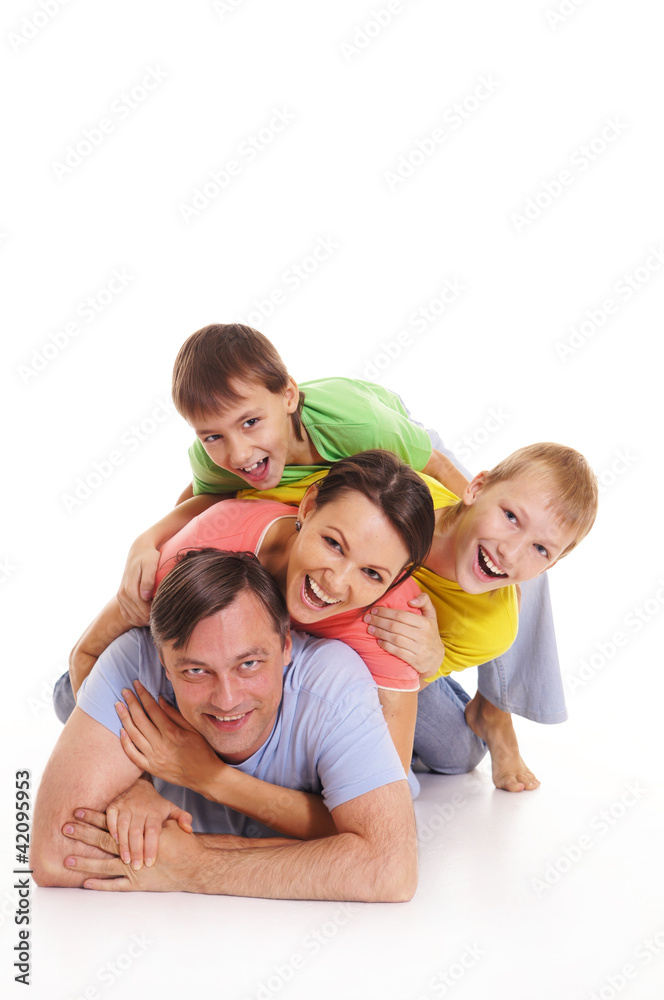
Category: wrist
<point>218,783</point>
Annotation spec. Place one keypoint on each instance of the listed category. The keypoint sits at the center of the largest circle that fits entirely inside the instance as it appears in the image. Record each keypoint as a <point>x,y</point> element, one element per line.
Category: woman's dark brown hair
<point>398,492</point>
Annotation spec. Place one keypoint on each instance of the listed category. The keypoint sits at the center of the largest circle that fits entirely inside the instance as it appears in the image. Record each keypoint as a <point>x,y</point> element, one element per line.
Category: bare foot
<point>496,729</point>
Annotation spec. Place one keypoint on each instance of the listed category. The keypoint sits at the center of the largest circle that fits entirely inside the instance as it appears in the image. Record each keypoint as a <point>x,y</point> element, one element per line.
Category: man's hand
<point>159,740</point>
<point>412,637</point>
<point>135,818</point>
<point>178,870</point>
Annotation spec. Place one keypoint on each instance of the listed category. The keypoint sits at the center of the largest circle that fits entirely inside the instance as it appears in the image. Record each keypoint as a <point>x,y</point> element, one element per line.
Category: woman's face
<point>344,558</point>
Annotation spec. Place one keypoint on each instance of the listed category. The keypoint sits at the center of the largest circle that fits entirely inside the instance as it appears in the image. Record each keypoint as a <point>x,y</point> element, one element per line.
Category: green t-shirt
<point>342,416</point>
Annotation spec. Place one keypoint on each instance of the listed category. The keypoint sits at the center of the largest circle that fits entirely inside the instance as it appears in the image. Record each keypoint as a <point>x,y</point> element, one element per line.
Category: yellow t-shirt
<point>474,627</point>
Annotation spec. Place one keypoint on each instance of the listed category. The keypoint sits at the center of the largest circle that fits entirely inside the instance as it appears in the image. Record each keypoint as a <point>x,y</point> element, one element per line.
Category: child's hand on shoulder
<point>412,637</point>
<point>137,586</point>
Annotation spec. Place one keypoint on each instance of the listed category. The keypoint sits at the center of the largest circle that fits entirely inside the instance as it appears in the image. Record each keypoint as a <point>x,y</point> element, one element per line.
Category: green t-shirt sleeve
<point>208,477</point>
<point>344,416</point>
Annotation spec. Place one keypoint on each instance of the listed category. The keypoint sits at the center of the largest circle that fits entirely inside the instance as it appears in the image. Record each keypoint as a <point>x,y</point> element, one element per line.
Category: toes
<point>509,782</point>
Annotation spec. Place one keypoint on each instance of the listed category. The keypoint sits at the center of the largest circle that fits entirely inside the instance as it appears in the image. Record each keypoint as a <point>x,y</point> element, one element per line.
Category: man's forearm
<point>373,858</point>
<point>339,868</point>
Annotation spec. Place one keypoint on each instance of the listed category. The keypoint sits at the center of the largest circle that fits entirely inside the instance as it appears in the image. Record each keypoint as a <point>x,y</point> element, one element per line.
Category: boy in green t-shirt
<point>255,427</point>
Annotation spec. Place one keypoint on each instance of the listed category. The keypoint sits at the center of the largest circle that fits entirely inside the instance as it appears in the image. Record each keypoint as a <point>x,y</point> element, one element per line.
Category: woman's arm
<point>400,711</point>
<point>170,749</point>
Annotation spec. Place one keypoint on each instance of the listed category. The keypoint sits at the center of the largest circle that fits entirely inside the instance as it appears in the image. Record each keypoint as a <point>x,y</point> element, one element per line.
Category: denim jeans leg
<point>63,698</point>
<point>443,740</point>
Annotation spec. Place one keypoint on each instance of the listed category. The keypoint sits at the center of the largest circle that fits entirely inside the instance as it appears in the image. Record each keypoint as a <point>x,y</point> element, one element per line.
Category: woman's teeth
<point>487,565</point>
<point>320,594</point>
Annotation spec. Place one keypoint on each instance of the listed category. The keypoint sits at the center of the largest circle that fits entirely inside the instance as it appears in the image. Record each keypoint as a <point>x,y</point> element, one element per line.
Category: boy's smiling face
<point>253,438</point>
<point>507,534</point>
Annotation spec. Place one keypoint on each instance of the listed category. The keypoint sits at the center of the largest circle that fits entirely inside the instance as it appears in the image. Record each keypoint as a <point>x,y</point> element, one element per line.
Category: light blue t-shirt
<point>330,736</point>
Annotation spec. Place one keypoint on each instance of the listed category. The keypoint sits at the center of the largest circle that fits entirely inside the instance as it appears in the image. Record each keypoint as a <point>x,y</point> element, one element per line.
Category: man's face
<point>228,679</point>
<point>252,438</point>
<point>508,534</point>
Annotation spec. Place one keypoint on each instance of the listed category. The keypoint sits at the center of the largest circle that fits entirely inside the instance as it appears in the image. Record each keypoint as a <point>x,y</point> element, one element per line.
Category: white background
<point>537,90</point>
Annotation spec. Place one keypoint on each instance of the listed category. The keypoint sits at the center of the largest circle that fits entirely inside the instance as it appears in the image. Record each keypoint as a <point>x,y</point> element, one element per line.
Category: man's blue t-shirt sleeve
<point>129,658</point>
<point>354,752</point>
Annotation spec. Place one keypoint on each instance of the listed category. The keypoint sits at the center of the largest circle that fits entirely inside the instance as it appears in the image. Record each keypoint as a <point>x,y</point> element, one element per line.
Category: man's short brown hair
<point>204,582</point>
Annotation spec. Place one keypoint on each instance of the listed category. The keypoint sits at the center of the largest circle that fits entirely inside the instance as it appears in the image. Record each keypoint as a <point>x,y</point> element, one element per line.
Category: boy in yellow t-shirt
<point>511,525</point>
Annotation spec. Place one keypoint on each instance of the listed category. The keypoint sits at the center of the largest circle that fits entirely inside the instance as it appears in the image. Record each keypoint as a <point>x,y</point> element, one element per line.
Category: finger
<point>124,821</point>
<point>156,714</point>
<point>142,733</point>
<point>108,884</point>
<point>137,611</point>
<point>140,718</point>
<point>112,822</point>
<point>152,831</point>
<point>403,654</point>
<point>184,819</point>
<point>91,835</point>
<point>397,639</point>
<point>425,604</point>
<point>147,576</point>
<point>175,716</point>
<point>146,588</point>
<point>110,867</point>
<point>395,615</point>
<point>134,754</point>
<point>136,831</point>
<point>93,817</point>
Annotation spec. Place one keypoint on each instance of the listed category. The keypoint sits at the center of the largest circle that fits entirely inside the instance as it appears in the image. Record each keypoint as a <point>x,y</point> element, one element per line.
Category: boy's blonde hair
<point>572,483</point>
<point>215,359</point>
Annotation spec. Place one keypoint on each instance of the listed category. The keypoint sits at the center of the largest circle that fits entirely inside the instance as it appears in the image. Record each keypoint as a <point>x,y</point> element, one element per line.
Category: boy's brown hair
<point>572,484</point>
<point>212,362</point>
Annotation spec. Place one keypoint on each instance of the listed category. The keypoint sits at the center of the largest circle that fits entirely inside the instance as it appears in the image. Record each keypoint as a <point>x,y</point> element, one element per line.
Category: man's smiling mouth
<point>487,566</point>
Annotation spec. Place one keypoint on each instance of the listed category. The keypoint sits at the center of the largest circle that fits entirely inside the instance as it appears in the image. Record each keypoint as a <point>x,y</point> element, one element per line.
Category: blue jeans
<point>443,740</point>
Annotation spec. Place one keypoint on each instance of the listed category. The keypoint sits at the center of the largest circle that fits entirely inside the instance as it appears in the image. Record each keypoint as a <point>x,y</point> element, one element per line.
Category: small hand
<point>137,585</point>
<point>159,740</point>
<point>179,861</point>
<point>412,637</point>
<point>135,819</point>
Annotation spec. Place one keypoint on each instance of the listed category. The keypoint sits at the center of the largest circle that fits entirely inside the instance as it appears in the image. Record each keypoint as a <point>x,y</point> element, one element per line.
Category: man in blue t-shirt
<point>270,734</point>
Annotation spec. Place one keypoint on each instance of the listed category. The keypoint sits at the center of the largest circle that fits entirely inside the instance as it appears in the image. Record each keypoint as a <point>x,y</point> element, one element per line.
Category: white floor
<point>556,893</point>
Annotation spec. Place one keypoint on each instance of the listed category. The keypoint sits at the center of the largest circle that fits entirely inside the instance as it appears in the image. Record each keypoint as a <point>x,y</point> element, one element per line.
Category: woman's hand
<point>137,586</point>
<point>412,637</point>
<point>135,818</point>
<point>159,740</point>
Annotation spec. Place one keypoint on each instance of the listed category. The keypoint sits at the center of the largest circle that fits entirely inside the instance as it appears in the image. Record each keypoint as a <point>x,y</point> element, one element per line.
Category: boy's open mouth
<point>257,471</point>
<point>487,566</point>
<point>314,596</point>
